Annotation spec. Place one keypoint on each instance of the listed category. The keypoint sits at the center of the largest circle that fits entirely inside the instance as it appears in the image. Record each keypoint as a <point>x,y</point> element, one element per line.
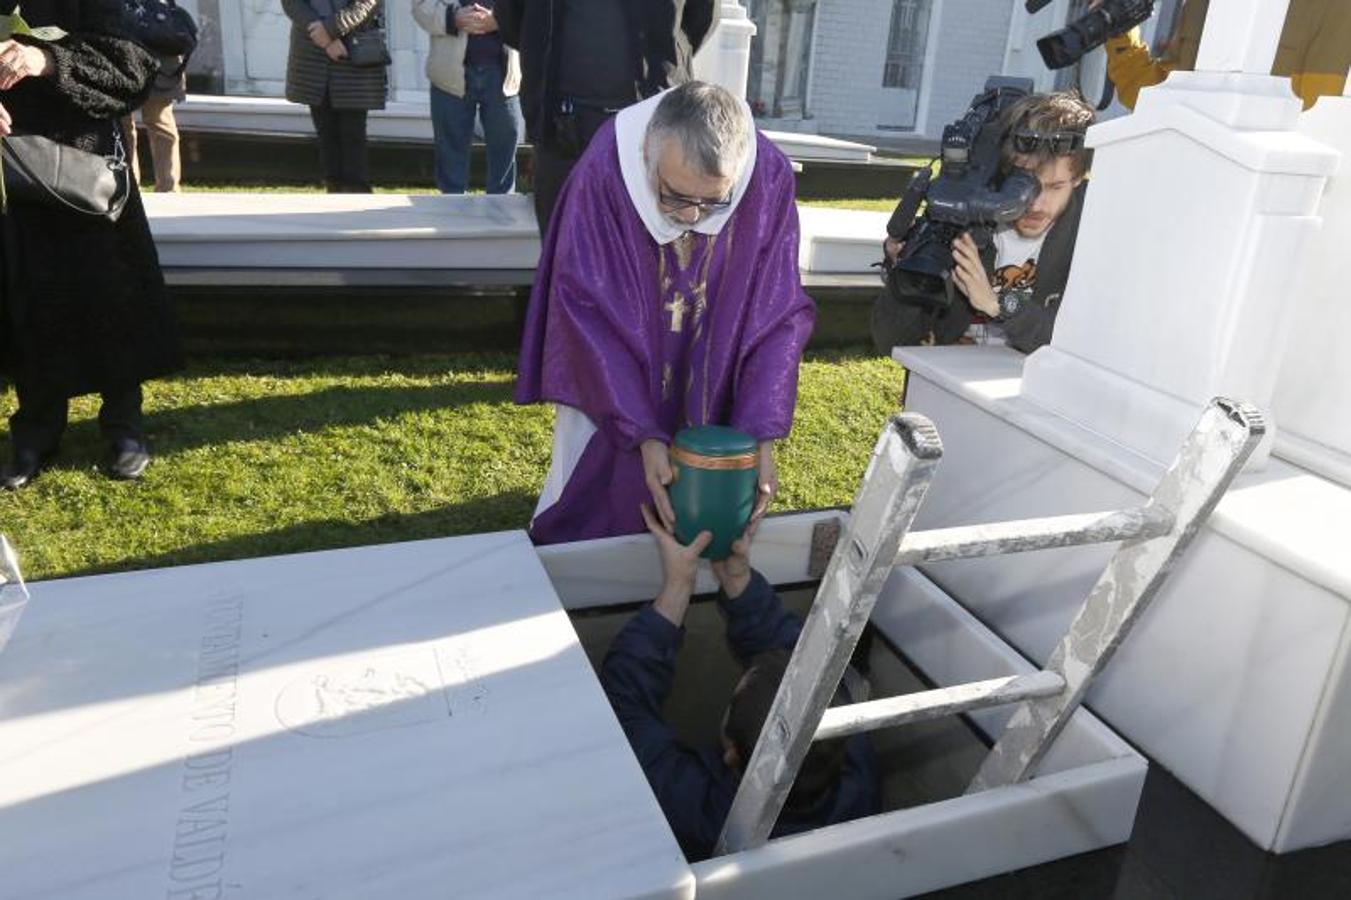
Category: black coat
<point>82,300</point>
<point>312,78</point>
<point>666,34</point>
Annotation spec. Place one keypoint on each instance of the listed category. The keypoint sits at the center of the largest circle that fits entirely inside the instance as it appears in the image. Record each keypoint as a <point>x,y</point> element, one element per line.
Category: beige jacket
<point>445,59</point>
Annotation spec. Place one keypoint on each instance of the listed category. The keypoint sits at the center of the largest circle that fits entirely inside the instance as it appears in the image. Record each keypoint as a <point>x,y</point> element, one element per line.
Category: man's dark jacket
<point>695,787</point>
<point>665,35</point>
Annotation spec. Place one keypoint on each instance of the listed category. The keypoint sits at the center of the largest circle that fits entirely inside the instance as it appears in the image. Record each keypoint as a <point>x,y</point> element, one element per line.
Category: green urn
<point>714,487</point>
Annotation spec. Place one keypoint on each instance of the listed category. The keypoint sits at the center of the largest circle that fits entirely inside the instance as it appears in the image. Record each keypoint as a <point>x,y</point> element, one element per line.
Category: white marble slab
<point>1236,679</point>
<point>841,240</point>
<point>420,231</point>
<point>411,121</point>
<point>415,231</point>
<point>411,720</point>
<point>1083,797</point>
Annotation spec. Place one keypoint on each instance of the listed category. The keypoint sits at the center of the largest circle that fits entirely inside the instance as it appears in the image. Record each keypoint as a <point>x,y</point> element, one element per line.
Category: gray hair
<point>711,125</point>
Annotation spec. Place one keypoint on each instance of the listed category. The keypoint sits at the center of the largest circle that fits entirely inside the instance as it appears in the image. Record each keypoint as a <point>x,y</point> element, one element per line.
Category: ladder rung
<point>1022,535</point>
<point>840,721</point>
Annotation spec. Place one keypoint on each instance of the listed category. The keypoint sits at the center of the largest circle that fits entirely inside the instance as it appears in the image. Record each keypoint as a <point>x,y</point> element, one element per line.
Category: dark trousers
<point>553,163</point>
<point>342,149</point>
<point>896,324</point>
<point>40,421</point>
<point>453,129</point>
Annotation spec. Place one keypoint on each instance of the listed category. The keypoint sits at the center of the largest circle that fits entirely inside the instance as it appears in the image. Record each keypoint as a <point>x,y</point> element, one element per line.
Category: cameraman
<point>1315,50</point>
<point>1018,281</point>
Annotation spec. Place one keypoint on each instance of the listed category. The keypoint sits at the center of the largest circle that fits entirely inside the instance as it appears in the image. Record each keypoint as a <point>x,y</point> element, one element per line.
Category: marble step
<point>421,231</point>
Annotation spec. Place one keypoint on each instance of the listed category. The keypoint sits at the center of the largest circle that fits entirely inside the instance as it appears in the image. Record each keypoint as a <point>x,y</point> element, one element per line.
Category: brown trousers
<point>158,116</point>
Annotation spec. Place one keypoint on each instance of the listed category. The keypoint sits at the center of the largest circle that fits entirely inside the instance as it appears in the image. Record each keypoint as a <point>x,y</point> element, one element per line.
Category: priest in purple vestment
<point>667,296</point>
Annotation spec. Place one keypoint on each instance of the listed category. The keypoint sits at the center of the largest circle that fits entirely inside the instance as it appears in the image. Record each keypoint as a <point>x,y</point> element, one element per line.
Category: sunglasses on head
<point>679,202</point>
<point>1026,140</point>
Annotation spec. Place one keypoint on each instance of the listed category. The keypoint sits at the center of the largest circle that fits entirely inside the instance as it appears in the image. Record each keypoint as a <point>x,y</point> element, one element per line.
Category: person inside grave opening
<point>1010,291</point>
<point>838,780</point>
<point>1314,50</point>
<point>667,296</point>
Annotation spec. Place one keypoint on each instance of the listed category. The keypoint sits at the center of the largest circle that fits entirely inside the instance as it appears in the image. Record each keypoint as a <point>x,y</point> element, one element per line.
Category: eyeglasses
<point>1057,142</point>
<point>679,202</point>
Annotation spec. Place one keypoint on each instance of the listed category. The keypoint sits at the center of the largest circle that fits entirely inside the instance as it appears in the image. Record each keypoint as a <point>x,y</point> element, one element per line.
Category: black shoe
<point>128,460</point>
<point>23,468</point>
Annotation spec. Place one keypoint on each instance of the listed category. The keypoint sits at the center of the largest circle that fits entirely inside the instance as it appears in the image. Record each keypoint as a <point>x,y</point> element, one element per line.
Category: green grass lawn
<point>265,457</point>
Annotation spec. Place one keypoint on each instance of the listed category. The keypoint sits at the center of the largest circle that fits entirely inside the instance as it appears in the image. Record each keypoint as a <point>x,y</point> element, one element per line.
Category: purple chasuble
<point>646,339</point>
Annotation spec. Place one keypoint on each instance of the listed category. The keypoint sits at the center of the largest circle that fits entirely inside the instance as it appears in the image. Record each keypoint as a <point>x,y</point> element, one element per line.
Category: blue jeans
<point>453,128</point>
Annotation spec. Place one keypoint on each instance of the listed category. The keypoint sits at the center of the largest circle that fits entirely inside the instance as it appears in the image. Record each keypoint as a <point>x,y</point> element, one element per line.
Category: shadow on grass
<point>499,512</point>
<point>374,364</point>
<point>267,418</point>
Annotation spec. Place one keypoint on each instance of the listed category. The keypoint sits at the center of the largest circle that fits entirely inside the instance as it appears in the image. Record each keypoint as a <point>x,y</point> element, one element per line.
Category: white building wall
<point>850,49</point>
<point>972,38</point>
<point>846,94</point>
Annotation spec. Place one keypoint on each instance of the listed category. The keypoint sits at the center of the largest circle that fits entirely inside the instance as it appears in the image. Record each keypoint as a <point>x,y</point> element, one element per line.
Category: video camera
<point>1068,45</point>
<point>971,193</point>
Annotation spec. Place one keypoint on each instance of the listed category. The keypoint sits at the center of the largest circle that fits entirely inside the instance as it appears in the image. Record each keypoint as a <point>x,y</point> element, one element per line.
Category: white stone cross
<point>1241,36</point>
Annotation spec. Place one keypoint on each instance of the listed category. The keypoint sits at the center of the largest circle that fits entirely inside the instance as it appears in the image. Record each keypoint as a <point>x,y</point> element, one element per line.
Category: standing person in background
<point>472,73</point>
<point>1314,52</point>
<point>339,95</point>
<point>171,86</point>
<point>584,60</point>
<point>82,302</point>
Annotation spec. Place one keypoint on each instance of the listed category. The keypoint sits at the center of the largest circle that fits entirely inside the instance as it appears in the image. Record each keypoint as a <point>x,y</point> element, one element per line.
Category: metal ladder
<point>878,537</point>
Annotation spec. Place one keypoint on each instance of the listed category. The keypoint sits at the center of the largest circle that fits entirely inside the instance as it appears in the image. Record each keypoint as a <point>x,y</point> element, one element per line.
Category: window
<point>905,45</point>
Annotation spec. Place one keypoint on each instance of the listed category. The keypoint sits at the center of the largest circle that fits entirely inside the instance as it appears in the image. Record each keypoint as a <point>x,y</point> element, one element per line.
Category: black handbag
<point>367,48</point>
<point>160,26</point>
<point>40,170</point>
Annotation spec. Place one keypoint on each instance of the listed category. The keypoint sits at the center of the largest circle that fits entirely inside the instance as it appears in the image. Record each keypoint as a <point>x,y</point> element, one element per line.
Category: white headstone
<point>1241,35</point>
<point>1312,402</point>
<point>1200,207</point>
<point>725,57</point>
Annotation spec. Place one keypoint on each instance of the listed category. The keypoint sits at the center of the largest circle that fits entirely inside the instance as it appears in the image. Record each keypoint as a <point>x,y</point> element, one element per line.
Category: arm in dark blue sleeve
<point>757,621</point>
<point>637,675</point>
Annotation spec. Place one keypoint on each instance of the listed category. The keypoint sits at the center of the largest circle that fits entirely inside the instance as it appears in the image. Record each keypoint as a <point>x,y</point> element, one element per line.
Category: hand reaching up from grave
<point>734,572</point>
<point>679,564</point>
<point>658,474</point>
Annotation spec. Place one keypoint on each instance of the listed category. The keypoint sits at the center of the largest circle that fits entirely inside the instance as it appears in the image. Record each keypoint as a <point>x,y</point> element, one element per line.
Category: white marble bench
<point>277,231</point>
